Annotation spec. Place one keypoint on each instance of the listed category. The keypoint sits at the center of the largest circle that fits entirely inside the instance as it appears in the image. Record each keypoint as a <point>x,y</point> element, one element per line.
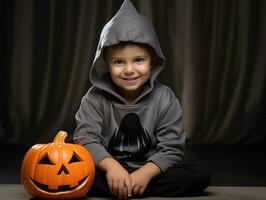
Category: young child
<point>130,123</point>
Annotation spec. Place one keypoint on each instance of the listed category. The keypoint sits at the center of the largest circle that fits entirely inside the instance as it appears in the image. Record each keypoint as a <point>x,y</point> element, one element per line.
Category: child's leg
<point>187,179</point>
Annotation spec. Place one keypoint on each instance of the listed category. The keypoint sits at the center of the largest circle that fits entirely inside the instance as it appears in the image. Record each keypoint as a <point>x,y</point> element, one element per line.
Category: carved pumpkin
<point>57,170</point>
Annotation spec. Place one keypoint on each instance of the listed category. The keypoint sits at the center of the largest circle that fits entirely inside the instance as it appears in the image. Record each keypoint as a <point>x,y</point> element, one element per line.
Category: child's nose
<point>129,68</point>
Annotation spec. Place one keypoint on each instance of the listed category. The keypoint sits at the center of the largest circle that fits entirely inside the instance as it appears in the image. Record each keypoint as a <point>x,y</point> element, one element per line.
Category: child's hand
<point>117,177</point>
<point>141,177</point>
<point>119,182</point>
<point>139,182</point>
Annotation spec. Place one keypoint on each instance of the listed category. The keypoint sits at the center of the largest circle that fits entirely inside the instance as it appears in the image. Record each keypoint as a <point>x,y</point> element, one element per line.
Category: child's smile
<point>130,81</point>
<point>130,68</point>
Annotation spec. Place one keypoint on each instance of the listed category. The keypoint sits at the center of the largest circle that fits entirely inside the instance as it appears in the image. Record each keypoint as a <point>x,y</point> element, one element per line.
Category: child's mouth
<point>130,78</point>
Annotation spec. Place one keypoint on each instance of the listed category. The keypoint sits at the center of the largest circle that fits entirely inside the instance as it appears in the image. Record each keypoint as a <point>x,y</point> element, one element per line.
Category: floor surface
<point>17,192</point>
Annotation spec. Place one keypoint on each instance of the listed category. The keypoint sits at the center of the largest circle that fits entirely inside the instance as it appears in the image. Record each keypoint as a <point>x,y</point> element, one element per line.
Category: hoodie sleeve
<point>89,119</point>
<point>170,137</point>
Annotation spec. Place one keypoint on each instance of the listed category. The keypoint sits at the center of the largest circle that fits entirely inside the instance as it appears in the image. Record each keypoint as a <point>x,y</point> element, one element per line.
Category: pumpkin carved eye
<point>75,158</point>
<point>46,160</point>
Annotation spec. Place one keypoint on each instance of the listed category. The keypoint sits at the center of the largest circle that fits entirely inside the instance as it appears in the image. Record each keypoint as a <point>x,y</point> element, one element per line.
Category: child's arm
<point>117,177</point>
<point>169,133</point>
<point>141,177</point>
<point>89,120</point>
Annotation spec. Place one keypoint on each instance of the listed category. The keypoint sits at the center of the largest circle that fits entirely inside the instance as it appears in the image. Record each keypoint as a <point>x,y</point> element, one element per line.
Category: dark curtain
<point>215,53</point>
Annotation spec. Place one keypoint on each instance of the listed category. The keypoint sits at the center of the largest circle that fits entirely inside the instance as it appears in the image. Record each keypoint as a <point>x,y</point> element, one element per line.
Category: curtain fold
<point>215,52</point>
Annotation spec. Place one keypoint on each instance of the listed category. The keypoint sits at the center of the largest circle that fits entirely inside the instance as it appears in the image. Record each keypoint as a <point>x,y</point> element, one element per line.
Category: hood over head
<point>126,25</point>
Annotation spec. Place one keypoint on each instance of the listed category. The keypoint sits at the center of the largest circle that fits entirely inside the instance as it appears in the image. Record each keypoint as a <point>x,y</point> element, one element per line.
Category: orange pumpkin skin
<point>57,170</point>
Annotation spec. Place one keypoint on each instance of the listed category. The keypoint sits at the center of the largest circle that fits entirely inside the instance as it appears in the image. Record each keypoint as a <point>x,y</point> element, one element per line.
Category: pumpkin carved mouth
<point>61,188</point>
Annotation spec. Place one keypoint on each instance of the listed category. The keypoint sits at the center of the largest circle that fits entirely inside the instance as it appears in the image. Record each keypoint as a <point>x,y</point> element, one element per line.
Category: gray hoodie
<point>149,130</point>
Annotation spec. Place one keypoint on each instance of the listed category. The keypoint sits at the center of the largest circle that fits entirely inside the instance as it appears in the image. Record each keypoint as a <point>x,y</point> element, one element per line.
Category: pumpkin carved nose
<point>63,169</point>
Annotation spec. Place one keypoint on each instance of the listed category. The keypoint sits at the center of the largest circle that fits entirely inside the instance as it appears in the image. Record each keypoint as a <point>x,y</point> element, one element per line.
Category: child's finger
<point>128,187</point>
<point>141,190</point>
<point>125,193</point>
<point>110,185</point>
<point>135,190</point>
<point>120,189</point>
<point>115,188</point>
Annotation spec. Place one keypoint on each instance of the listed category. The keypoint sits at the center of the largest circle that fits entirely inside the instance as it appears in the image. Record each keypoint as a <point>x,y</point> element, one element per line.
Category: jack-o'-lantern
<point>57,170</point>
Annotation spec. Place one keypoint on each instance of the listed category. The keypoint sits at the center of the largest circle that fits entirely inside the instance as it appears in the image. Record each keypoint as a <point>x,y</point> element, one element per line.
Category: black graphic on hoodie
<point>131,141</point>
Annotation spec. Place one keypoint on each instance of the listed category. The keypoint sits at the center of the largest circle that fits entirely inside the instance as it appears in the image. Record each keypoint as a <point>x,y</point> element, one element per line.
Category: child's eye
<point>139,60</point>
<point>118,62</point>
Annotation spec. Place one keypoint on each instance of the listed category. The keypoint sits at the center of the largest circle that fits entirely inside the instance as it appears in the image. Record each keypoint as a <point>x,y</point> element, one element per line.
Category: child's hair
<point>155,60</point>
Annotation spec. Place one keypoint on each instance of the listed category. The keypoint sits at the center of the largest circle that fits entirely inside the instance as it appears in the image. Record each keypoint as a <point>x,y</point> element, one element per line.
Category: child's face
<point>130,68</point>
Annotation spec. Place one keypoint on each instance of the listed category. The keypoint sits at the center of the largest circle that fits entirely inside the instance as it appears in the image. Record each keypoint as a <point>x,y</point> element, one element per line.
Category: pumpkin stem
<point>60,137</point>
